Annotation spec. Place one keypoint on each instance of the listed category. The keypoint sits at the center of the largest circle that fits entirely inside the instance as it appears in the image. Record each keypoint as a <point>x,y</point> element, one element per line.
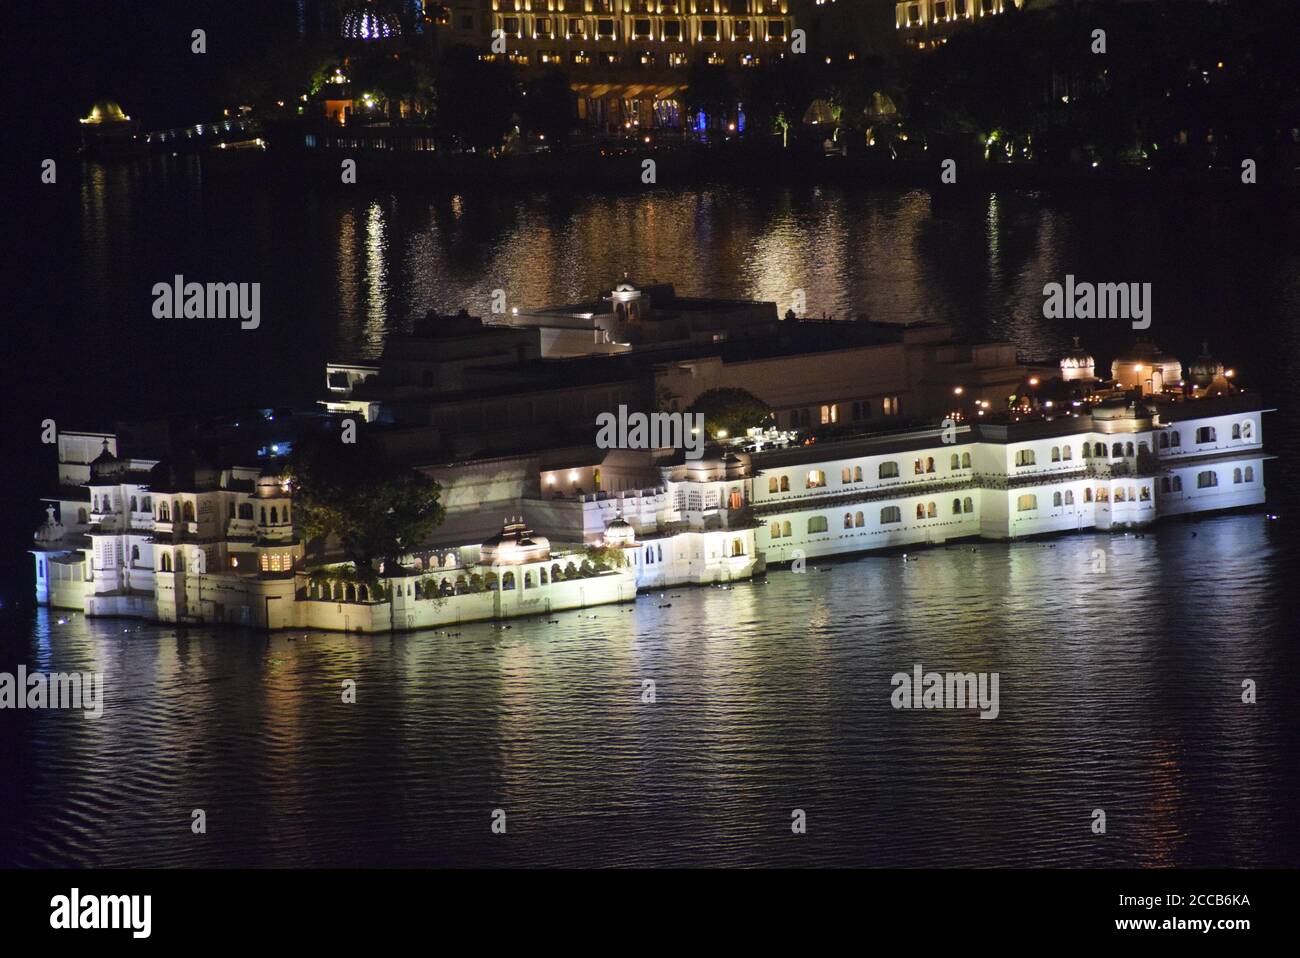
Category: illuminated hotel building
<point>635,54</point>
<point>924,23</point>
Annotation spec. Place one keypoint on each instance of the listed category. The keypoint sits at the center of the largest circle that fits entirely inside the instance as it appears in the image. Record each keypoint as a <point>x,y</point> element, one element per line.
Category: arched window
<point>275,516</point>
<point>890,514</point>
<point>188,511</point>
<point>419,590</point>
<point>528,580</point>
<point>1178,483</point>
<point>541,576</point>
<point>848,520</point>
<point>929,463</point>
<point>363,593</point>
<point>1069,497</point>
<point>1056,454</point>
<point>775,531</point>
<point>81,515</point>
<point>1056,499</point>
<point>965,460</point>
<point>846,475</point>
<point>1175,439</point>
<point>1025,457</point>
<point>773,484</point>
<point>166,564</point>
<point>918,467</point>
<point>1087,451</point>
<point>1206,480</point>
<point>263,522</point>
<point>815,479</point>
<point>1236,476</point>
<point>920,510</point>
<point>858,520</point>
<point>133,504</point>
<point>164,512</point>
<point>968,504</point>
<point>888,470</point>
<point>857,473</point>
<point>1099,450</point>
<point>507,581</point>
<point>135,554</point>
<point>1087,495</point>
<point>816,524</point>
<point>785,529</point>
<point>1250,473</point>
<point>1066,453</point>
<point>1248,430</point>
<point>785,483</point>
<point>932,510</point>
<point>737,547</point>
<point>1144,494</point>
<point>1027,503</point>
<point>1205,434</point>
<point>1117,450</point>
<point>1128,449</point>
<point>956,507</point>
<point>1164,440</point>
<point>1119,494</point>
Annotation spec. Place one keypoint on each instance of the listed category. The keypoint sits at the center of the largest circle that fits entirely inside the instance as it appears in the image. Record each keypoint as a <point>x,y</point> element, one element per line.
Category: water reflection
<point>1119,692</point>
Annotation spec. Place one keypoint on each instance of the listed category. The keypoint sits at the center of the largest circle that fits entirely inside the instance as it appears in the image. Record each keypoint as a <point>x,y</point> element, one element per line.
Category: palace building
<point>179,539</point>
<point>628,59</point>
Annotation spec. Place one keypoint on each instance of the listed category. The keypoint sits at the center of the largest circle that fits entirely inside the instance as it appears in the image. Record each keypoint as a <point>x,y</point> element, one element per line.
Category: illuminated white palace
<point>191,543</point>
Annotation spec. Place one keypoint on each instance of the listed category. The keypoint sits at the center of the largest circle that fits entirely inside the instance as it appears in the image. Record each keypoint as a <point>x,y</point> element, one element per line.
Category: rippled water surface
<point>1118,691</point>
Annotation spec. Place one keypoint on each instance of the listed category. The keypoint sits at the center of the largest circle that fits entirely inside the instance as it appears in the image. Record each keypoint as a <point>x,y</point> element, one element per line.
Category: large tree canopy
<point>730,411</point>
<point>376,508</point>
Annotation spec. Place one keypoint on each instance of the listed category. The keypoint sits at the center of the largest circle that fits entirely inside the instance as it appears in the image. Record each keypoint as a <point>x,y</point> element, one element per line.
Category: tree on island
<point>729,412</point>
<point>549,107</point>
<point>709,91</point>
<point>376,508</point>
<point>475,100</point>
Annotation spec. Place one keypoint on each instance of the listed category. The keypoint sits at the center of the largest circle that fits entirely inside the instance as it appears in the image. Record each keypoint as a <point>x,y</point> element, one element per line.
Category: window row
<point>856,520</point>
<point>816,478</point>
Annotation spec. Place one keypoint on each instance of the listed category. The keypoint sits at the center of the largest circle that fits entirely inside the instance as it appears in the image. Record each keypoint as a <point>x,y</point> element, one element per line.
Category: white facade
<point>1123,472</point>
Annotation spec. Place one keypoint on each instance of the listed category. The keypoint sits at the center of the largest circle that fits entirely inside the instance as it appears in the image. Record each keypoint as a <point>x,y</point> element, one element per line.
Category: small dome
<point>106,111</point>
<point>619,532</point>
<point>515,544</point>
<point>1077,363</point>
<point>370,24</point>
<point>105,464</point>
<point>1205,369</point>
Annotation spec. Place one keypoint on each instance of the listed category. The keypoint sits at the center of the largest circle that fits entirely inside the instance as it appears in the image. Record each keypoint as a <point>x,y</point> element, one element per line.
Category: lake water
<point>1118,690</point>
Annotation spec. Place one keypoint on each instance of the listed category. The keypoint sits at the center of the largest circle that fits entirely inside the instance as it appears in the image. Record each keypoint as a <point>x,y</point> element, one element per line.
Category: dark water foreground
<point>1118,690</point>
